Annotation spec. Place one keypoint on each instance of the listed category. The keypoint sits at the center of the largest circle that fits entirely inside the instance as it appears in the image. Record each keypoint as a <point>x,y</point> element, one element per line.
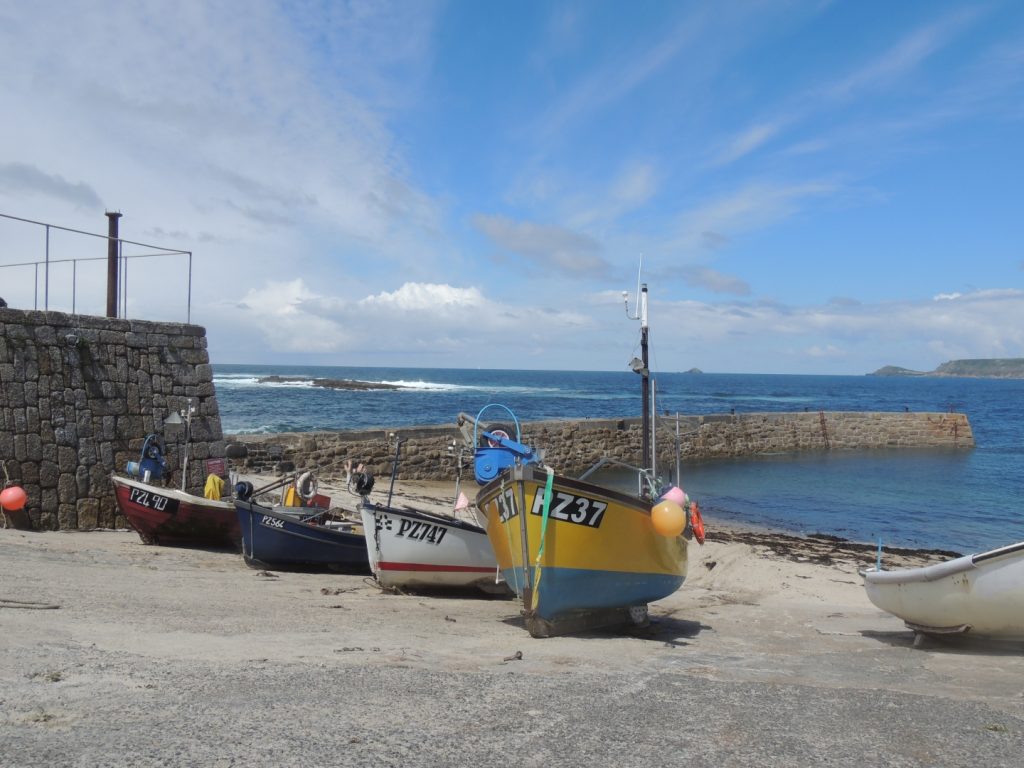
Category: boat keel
<point>633,616</point>
<point>923,633</point>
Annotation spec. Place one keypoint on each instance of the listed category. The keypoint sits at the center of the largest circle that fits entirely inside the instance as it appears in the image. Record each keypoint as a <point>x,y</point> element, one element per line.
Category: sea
<point>958,500</point>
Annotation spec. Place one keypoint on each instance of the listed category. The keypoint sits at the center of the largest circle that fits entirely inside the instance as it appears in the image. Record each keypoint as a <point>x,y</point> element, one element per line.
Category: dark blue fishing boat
<point>300,538</point>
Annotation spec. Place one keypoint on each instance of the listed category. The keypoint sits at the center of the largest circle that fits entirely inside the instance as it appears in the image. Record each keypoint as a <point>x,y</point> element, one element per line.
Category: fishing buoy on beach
<point>668,518</point>
<point>675,493</point>
<point>12,499</point>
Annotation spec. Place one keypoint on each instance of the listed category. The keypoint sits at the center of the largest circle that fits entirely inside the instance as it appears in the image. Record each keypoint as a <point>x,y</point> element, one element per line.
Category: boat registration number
<point>272,522</point>
<point>413,529</point>
<point>571,508</point>
<point>151,500</point>
<point>566,507</point>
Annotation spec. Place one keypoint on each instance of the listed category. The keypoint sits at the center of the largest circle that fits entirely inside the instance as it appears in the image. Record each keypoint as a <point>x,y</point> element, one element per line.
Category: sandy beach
<point>116,653</point>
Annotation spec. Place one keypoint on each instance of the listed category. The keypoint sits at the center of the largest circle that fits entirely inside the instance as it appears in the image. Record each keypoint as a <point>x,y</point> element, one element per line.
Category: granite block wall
<point>79,394</point>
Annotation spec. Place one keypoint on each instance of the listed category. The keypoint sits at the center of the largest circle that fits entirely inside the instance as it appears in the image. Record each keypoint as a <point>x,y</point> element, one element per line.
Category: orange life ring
<point>696,523</point>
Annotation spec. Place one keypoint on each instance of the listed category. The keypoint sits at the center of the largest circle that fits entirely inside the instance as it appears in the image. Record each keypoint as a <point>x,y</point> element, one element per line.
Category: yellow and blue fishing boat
<point>579,554</point>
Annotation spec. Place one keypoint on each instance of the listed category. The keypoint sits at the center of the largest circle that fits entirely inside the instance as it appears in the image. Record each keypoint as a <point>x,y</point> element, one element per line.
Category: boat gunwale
<point>509,476</point>
<point>174,493</point>
<point>992,554</point>
<point>331,532</point>
<point>437,517</point>
<point>941,570</point>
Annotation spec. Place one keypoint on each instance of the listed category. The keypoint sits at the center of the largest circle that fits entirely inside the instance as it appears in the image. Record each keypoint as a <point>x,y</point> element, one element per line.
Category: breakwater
<point>79,394</point>
<point>573,446</point>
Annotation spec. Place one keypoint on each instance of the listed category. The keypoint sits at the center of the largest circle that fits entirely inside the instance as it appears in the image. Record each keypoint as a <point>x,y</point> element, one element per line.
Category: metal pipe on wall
<point>112,255</point>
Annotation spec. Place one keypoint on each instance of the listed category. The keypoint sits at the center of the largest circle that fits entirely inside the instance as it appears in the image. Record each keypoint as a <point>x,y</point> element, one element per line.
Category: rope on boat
<point>543,535</point>
<point>508,540</point>
<point>6,602</point>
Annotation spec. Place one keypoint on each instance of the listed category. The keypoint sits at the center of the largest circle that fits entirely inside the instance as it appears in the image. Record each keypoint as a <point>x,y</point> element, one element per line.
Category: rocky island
<point>328,383</point>
<point>985,368</point>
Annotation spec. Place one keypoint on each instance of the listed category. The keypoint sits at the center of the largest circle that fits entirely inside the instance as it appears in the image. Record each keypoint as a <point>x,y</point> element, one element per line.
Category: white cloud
<point>846,337</point>
<point>635,186</point>
<point>415,296</point>
<point>258,150</point>
<point>826,350</point>
<point>278,312</point>
<point>749,208</point>
<point>464,326</point>
<point>903,57</point>
<point>613,81</point>
<point>294,141</point>
<point>705,277</point>
<point>748,141</point>
<point>23,180</point>
<point>551,247</point>
<point>448,322</point>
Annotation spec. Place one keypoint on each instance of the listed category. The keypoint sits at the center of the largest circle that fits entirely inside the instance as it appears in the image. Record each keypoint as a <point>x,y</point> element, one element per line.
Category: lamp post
<point>183,419</point>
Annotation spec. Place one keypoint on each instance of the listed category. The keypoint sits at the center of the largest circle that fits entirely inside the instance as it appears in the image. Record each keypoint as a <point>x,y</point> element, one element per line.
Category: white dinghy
<point>982,594</point>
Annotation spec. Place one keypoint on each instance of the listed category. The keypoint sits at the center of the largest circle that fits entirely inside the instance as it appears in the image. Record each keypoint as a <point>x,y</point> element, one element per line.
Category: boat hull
<point>981,593</point>
<point>410,549</point>
<point>167,516</point>
<point>275,539</point>
<point>601,553</point>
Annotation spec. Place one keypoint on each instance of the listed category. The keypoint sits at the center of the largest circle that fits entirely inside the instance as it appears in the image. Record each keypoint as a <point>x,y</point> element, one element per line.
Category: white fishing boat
<point>982,594</point>
<point>413,549</point>
<point>419,549</point>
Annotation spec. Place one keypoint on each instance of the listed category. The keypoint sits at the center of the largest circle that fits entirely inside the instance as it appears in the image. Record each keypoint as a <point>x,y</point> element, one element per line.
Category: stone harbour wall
<point>79,394</point>
<point>573,446</point>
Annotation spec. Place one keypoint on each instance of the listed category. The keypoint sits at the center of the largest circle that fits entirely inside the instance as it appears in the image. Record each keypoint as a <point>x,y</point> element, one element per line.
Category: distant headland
<point>991,368</point>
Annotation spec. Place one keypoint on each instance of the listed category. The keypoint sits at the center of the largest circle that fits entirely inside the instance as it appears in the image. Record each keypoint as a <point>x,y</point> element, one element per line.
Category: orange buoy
<point>668,518</point>
<point>12,499</point>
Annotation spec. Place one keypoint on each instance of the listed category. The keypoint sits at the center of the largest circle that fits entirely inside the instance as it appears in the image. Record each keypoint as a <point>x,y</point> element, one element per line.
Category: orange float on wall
<point>12,499</point>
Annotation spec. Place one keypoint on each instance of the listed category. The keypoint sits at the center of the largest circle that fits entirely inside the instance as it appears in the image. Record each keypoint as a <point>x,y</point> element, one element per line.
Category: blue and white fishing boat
<point>299,538</point>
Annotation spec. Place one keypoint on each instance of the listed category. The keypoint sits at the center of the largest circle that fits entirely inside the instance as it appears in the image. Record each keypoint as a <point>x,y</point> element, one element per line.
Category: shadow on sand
<point>963,644</point>
<point>663,629</point>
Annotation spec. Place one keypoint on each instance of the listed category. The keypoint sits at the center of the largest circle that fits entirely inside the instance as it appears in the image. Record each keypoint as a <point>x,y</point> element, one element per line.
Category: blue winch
<point>151,464</point>
<point>494,448</point>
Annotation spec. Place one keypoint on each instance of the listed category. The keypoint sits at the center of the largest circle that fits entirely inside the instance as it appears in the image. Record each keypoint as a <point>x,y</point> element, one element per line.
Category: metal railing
<point>122,288</point>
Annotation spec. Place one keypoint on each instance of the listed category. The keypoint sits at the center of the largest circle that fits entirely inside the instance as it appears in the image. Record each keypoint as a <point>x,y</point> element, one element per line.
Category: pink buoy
<point>675,493</point>
<point>12,499</point>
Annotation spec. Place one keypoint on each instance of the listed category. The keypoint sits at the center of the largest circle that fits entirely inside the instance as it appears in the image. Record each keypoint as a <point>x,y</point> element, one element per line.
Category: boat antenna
<point>625,294</point>
<point>642,366</point>
<point>394,466</point>
<point>454,448</point>
<point>645,376</point>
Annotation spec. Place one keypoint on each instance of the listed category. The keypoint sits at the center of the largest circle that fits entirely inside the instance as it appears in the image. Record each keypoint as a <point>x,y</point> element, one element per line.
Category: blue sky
<point>814,187</point>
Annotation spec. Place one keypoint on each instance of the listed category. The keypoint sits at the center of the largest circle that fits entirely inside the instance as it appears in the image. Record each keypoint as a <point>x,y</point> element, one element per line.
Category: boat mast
<point>645,378</point>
